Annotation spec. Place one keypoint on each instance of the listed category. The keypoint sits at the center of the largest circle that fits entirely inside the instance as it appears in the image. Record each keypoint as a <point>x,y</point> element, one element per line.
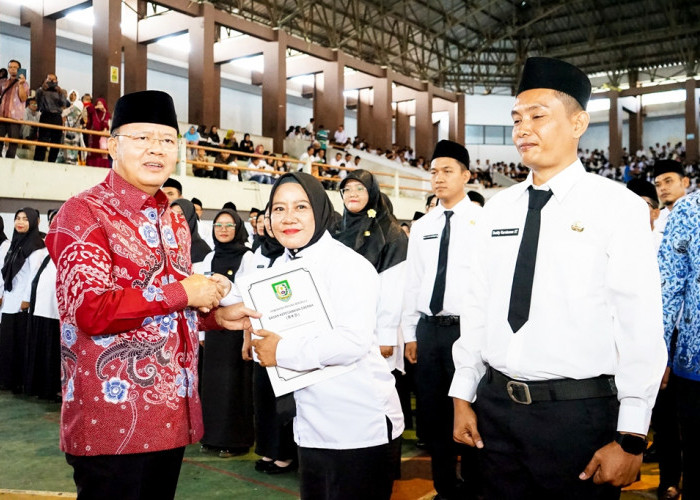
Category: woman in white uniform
<point>4,247</point>
<point>20,265</point>
<point>43,370</point>
<point>347,427</point>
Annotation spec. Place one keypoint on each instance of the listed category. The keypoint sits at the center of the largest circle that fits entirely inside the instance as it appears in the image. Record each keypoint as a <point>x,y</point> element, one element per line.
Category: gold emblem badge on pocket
<point>577,226</point>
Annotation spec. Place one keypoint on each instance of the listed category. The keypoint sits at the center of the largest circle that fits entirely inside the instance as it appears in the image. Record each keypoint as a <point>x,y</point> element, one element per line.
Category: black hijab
<point>257,237</point>
<point>373,232</point>
<point>21,247</point>
<point>3,237</point>
<point>199,248</point>
<point>228,256</point>
<point>320,204</point>
<point>270,247</point>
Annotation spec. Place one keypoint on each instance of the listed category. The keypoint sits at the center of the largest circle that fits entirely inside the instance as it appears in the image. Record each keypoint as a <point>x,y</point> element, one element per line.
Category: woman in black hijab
<point>370,228</point>
<point>226,383</point>
<point>348,427</point>
<point>198,248</point>
<point>21,263</point>
<point>368,225</point>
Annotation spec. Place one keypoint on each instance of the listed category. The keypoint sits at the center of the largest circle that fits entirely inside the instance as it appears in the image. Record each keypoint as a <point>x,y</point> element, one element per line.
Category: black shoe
<point>273,468</point>
<point>671,493</point>
<point>232,452</point>
<point>263,465</point>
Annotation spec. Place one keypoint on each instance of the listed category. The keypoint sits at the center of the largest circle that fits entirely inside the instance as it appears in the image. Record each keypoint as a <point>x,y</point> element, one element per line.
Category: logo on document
<point>282,290</point>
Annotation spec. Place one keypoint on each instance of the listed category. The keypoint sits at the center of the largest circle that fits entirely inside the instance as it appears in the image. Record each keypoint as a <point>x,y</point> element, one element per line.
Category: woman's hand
<point>266,347</point>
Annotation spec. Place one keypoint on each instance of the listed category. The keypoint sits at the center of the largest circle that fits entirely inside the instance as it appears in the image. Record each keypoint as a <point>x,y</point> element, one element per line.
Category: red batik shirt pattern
<point>128,340</point>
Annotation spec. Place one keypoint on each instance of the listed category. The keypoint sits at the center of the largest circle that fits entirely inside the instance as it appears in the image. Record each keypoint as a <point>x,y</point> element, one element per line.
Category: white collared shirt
<point>22,283</point>
<point>46,305</point>
<point>422,261</point>
<point>348,411</point>
<point>596,297</point>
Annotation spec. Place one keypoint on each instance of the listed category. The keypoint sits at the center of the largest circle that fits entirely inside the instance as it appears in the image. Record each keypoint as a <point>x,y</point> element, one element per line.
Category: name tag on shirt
<point>430,236</point>
<point>261,266</point>
<point>505,232</point>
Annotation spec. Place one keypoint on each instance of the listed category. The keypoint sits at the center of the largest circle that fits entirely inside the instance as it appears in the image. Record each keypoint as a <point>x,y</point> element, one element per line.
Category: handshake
<point>206,292</point>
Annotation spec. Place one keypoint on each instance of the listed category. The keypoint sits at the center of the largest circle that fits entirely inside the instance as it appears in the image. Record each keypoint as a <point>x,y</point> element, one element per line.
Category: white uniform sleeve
<point>413,275</point>
<point>35,260</point>
<point>634,285</point>
<point>391,286</point>
<point>466,351</point>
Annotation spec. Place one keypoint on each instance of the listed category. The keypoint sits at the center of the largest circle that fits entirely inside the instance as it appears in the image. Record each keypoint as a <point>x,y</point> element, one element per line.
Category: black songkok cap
<point>417,215</point>
<point>229,205</point>
<point>450,149</point>
<point>253,209</point>
<point>147,106</point>
<point>666,166</point>
<point>641,187</point>
<point>173,183</point>
<point>548,73</point>
<point>196,201</point>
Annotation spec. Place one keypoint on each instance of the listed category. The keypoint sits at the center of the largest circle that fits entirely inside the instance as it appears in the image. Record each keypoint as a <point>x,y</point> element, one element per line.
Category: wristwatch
<point>634,445</point>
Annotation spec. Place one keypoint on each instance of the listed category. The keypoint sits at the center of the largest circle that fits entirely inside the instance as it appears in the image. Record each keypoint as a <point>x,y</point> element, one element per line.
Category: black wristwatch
<point>634,445</point>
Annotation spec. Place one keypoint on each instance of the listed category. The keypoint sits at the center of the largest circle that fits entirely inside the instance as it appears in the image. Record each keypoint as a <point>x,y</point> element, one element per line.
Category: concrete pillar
<point>42,42</point>
<point>615,132</point>
<point>403,123</point>
<point>203,74</point>
<point>692,117</point>
<point>107,51</point>
<point>274,91</point>
<point>135,54</point>
<point>329,106</point>
<point>635,126</point>
<point>425,139</point>
<point>457,120</point>
<point>364,114</point>
<point>382,114</point>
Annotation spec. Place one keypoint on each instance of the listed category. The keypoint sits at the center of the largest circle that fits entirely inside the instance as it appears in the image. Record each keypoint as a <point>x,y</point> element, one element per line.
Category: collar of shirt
<point>133,196</point>
<point>560,184</point>
<point>310,251</point>
<point>462,207</point>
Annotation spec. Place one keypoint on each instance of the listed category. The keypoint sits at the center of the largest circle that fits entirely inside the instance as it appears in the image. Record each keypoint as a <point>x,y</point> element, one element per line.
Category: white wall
<point>488,109</point>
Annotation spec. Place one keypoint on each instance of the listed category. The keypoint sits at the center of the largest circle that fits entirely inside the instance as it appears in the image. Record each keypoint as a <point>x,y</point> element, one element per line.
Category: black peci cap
<point>147,106</point>
<point>668,166</point>
<point>641,187</point>
<point>555,74</point>
<point>172,183</point>
<point>451,149</point>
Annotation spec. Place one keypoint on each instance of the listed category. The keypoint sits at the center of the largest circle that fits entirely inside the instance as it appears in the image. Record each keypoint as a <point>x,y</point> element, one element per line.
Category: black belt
<point>564,389</point>
<point>441,320</point>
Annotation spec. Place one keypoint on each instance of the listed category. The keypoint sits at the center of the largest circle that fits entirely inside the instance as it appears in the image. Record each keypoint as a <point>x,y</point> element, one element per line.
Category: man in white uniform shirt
<point>438,252</point>
<point>671,184</point>
<point>562,339</point>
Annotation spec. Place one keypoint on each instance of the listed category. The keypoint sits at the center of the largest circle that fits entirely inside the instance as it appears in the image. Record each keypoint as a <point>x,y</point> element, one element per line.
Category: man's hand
<point>223,282</point>
<point>202,292</point>
<point>465,430</point>
<point>24,306</point>
<point>266,347</point>
<point>611,464</point>
<point>386,350</point>
<point>247,350</point>
<point>235,317</point>
<point>411,352</point>
<point>666,378</point>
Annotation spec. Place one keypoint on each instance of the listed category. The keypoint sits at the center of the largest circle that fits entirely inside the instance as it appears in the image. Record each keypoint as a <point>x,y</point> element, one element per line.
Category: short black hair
<point>477,197</point>
<point>15,61</point>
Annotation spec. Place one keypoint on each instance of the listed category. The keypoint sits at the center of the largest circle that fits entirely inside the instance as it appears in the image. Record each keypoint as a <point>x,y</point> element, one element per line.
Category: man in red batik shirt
<point>129,321</point>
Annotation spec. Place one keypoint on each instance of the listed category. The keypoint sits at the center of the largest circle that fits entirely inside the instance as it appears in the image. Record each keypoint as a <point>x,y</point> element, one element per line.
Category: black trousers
<point>49,135</point>
<point>434,371</point>
<point>144,476</point>
<point>13,350</point>
<point>13,131</point>
<point>537,451</point>
<point>667,436</point>
<point>365,473</point>
<point>688,400</point>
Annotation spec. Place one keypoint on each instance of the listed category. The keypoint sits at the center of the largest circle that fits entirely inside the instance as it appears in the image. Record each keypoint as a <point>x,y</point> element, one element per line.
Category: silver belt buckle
<point>516,389</point>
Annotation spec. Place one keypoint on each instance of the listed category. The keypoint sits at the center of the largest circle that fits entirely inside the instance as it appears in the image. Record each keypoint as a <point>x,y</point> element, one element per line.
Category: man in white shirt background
<point>439,248</point>
<point>562,349</point>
